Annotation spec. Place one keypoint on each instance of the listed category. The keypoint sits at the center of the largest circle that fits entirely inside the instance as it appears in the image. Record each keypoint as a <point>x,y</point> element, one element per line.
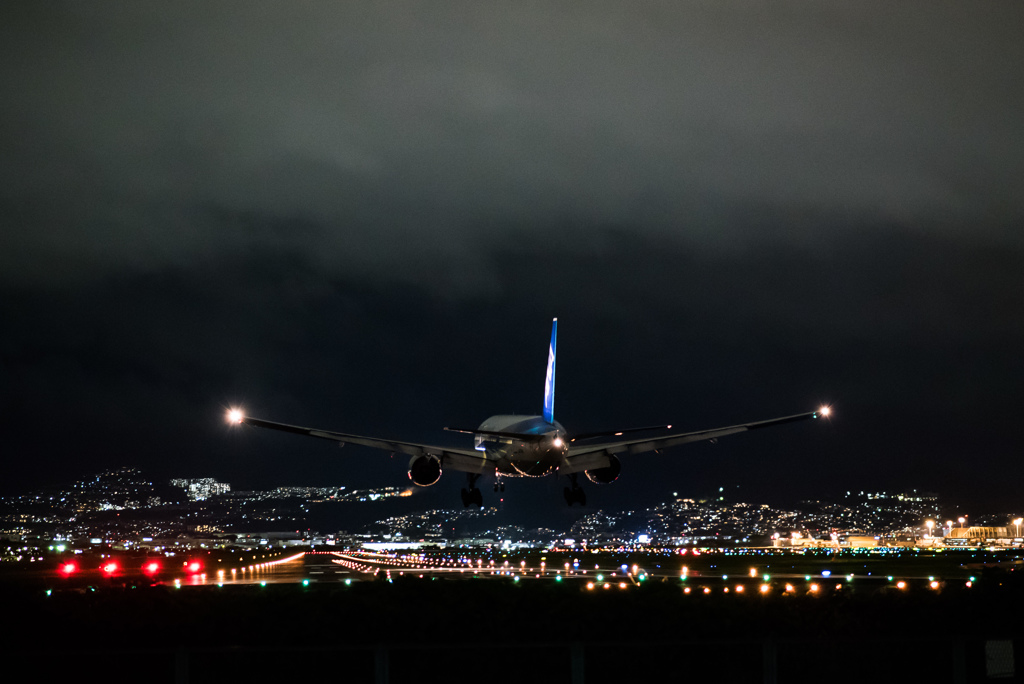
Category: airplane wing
<point>591,456</point>
<point>465,460</point>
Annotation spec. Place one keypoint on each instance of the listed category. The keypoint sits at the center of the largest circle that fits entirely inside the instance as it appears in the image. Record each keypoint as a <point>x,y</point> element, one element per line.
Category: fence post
<point>769,661</point>
<point>181,666</point>
<point>577,660</point>
<point>380,664</point>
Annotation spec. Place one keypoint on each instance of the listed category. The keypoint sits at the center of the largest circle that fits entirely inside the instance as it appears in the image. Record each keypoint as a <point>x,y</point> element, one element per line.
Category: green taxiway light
<point>558,578</point>
<point>305,582</point>
<point>766,577</point>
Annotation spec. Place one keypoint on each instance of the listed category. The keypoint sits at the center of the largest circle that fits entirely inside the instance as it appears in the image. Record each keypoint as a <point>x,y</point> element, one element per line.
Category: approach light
<point>235,416</point>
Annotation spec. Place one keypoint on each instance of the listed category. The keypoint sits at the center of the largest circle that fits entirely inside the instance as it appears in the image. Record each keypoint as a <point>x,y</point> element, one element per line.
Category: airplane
<point>527,446</point>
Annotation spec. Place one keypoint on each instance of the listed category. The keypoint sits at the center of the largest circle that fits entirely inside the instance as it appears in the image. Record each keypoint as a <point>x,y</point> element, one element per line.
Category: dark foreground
<point>412,630</point>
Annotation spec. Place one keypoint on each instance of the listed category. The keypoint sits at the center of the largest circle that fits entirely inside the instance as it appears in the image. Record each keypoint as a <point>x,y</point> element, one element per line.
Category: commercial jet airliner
<point>527,446</point>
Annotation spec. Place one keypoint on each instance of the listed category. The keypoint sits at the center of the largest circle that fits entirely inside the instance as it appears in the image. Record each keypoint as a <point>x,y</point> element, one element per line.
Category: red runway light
<point>151,568</point>
<point>68,569</point>
<point>195,566</point>
<point>110,568</point>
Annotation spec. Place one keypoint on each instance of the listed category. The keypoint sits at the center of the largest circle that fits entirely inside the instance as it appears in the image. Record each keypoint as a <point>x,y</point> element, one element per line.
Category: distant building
<point>201,488</point>
<point>973,534</point>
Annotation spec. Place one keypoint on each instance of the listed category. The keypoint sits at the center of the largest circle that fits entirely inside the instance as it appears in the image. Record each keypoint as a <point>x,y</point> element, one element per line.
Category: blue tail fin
<point>549,381</point>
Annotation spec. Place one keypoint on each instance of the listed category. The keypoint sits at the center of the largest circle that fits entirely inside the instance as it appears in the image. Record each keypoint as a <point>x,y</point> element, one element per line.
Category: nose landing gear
<point>574,494</point>
<point>472,495</point>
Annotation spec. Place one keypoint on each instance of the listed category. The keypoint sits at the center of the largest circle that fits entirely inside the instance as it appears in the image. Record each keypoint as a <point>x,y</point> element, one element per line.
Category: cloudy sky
<point>364,219</point>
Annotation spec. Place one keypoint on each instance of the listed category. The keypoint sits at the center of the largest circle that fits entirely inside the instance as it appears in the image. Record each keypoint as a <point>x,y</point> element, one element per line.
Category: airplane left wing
<point>465,460</point>
<point>593,456</point>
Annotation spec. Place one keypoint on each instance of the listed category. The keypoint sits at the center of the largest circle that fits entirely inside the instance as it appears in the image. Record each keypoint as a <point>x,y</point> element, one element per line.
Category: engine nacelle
<point>425,470</point>
<point>606,475</point>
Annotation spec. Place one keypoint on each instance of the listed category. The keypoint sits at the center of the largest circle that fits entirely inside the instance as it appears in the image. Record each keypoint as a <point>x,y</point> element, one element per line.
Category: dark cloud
<point>363,219</point>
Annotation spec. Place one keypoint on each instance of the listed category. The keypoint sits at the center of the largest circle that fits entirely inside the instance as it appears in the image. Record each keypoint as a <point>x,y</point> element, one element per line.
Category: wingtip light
<point>235,416</point>
<point>825,411</point>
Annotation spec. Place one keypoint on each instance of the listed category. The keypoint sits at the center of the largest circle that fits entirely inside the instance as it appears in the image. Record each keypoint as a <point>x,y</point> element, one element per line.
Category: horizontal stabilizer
<point>497,433</point>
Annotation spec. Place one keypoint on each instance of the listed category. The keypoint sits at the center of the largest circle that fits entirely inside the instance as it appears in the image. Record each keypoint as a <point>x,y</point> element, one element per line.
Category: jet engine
<point>606,475</point>
<point>424,470</point>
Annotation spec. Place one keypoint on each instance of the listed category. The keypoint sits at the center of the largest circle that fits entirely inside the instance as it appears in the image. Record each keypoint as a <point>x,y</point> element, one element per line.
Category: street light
<point>1017,523</point>
<point>929,524</point>
<point>961,520</point>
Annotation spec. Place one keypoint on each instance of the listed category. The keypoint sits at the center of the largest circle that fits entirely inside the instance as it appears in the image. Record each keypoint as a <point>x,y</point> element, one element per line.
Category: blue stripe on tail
<point>549,381</point>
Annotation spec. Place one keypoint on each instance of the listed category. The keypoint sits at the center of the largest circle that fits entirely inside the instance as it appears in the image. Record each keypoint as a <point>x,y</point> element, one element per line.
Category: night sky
<point>364,218</point>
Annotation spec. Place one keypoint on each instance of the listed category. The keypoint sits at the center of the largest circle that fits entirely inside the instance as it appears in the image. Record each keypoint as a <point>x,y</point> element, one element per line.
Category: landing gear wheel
<point>472,495</point>
<point>575,495</point>
<point>502,486</point>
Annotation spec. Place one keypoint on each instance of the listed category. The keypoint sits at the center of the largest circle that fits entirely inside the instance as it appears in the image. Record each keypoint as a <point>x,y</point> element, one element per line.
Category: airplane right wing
<point>593,456</point>
<point>464,460</point>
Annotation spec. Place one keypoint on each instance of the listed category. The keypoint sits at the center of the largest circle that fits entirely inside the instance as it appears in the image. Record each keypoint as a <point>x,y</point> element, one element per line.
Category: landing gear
<point>472,495</point>
<point>574,494</point>
<point>499,486</point>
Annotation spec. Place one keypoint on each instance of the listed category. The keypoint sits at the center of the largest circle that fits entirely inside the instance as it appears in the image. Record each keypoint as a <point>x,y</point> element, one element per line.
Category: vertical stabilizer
<point>549,381</point>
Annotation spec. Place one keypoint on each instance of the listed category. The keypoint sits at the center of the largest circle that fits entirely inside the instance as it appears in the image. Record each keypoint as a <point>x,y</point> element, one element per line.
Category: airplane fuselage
<point>541,453</point>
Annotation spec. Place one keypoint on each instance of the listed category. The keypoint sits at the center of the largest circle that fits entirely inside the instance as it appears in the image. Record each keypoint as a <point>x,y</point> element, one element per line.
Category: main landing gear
<point>472,495</point>
<point>575,494</point>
